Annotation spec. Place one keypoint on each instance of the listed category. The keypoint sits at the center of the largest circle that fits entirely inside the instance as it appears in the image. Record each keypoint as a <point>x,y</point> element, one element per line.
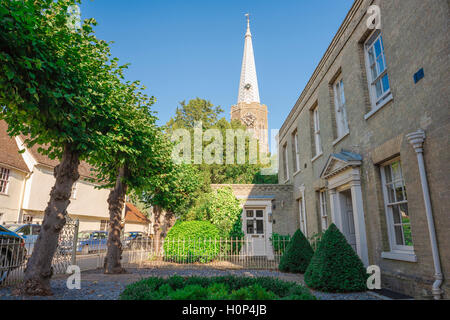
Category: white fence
<point>145,252</point>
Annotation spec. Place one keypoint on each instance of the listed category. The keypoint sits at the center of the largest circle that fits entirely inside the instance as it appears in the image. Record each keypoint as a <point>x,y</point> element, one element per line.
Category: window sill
<point>341,138</point>
<point>317,157</point>
<point>375,109</point>
<point>400,255</point>
<point>297,172</point>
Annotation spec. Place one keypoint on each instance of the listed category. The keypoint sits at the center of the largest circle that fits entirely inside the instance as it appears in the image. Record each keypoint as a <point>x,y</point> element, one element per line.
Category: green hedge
<point>192,241</point>
<point>298,254</point>
<point>215,288</point>
<point>335,266</point>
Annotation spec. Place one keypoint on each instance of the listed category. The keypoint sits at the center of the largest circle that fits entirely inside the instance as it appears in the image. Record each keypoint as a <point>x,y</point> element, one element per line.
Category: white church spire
<point>248,85</point>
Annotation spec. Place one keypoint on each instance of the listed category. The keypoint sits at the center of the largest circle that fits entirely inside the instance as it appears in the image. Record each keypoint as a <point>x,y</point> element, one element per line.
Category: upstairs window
<point>316,127</point>
<point>377,75</point>
<point>285,162</point>
<point>296,156</point>
<point>339,107</point>
<point>396,206</point>
<point>4,180</point>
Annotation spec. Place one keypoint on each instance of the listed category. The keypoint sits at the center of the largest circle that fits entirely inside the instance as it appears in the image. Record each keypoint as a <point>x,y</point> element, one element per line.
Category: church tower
<point>248,109</point>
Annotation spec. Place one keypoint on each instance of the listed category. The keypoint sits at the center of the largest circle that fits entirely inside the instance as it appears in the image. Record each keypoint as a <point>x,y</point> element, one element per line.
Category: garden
<point>215,288</point>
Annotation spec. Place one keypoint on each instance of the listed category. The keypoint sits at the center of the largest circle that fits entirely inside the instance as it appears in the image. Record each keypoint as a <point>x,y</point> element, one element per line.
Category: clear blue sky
<point>183,49</point>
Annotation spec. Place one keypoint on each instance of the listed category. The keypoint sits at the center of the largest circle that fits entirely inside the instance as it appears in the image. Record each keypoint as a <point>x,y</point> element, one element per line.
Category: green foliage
<point>202,110</point>
<point>298,254</point>
<point>279,242</point>
<point>56,83</point>
<point>215,288</point>
<point>335,266</point>
<point>173,191</point>
<point>192,241</point>
<point>222,209</point>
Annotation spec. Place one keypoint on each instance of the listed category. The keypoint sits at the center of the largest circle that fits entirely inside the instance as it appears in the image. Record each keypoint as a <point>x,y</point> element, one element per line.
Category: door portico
<point>342,172</point>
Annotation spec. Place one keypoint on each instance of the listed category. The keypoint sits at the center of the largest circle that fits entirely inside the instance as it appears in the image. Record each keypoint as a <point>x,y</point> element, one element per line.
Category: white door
<point>347,218</point>
<point>255,232</point>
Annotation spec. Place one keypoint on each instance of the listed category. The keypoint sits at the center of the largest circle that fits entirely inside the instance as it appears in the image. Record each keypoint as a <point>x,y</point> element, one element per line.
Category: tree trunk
<point>116,201</point>
<point>39,267</point>
<point>163,221</point>
<point>157,210</point>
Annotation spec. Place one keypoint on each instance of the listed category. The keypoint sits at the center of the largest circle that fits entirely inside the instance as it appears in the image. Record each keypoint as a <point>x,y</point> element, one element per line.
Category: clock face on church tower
<point>249,119</point>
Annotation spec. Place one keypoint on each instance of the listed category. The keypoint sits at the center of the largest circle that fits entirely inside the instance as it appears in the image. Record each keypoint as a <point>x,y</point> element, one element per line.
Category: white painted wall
<point>10,202</point>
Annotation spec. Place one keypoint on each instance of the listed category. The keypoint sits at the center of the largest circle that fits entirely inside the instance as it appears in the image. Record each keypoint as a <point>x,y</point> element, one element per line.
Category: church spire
<point>248,85</point>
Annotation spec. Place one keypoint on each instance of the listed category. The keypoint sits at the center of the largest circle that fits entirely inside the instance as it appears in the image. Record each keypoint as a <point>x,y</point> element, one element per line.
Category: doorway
<point>254,227</point>
<point>348,220</point>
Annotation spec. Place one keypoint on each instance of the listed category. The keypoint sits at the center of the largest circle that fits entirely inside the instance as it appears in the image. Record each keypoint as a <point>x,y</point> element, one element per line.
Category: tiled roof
<point>84,169</point>
<point>9,151</point>
<point>132,214</point>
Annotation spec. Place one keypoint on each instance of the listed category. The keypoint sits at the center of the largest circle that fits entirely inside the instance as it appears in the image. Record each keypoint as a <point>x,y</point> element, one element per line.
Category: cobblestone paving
<point>97,286</point>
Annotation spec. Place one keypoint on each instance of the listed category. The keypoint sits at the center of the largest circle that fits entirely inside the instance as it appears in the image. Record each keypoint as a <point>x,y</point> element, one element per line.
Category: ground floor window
<point>323,209</point>
<point>302,215</point>
<point>396,206</point>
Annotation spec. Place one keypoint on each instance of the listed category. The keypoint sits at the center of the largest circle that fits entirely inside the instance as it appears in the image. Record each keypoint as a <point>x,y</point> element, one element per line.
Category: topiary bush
<point>192,241</point>
<point>335,266</point>
<point>215,288</point>
<point>298,254</point>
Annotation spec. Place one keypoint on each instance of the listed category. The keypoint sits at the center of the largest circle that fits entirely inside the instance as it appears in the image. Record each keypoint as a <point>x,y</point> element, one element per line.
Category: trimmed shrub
<point>298,254</point>
<point>192,241</point>
<point>335,266</point>
<point>215,288</point>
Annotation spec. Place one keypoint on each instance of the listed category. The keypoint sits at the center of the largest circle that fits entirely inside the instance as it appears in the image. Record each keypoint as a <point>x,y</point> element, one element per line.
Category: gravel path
<point>97,286</point>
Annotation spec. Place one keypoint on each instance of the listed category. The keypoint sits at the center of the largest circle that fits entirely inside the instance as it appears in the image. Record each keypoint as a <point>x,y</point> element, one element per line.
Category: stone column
<point>360,225</point>
<point>416,139</point>
<point>334,206</point>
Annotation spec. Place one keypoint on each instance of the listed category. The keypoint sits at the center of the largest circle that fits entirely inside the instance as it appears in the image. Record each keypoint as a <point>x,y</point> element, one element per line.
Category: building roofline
<point>339,34</point>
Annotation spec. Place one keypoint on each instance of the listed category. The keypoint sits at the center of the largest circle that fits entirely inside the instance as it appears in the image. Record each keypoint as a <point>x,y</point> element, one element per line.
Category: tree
<point>131,153</point>
<point>222,209</point>
<point>55,85</point>
<point>200,110</point>
<point>335,266</point>
<point>297,255</point>
<point>171,194</point>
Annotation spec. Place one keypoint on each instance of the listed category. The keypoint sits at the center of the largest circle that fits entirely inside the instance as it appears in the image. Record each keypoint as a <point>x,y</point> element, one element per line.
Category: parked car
<point>90,241</point>
<point>136,240</point>
<point>12,252</point>
<point>29,232</point>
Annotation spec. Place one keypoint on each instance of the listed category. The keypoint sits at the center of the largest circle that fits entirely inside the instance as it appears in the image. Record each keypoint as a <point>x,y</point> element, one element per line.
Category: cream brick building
<point>347,151</point>
<point>26,180</point>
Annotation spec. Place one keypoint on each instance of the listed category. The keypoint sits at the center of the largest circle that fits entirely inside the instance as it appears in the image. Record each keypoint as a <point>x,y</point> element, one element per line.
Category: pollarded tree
<point>55,88</point>
<point>171,194</point>
<point>130,155</point>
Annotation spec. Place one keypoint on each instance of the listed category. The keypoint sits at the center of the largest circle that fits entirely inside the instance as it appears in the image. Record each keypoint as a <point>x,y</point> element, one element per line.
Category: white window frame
<point>339,107</point>
<point>296,152</point>
<point>5,177</point>
<point>323,209</point>
<point>73,193</point>
<point>317,142</point>
<point>394,247</point>
<point>302,216</point>
<point>285,162</point>
<point>376,102</point>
